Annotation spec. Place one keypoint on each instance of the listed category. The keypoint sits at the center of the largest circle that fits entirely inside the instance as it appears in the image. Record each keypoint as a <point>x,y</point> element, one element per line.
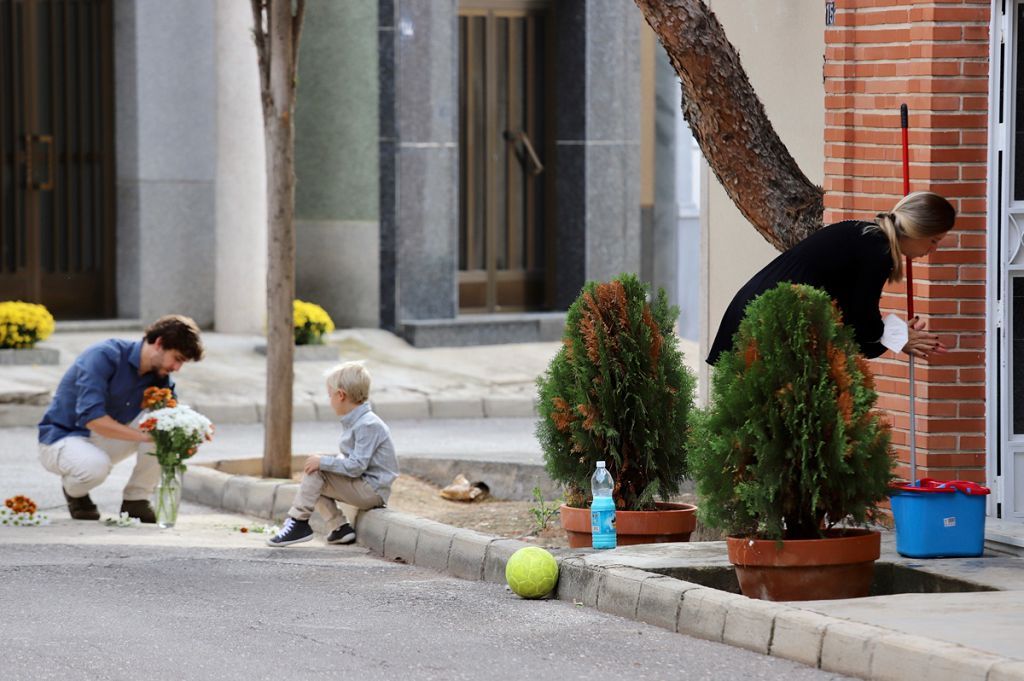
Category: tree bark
<point>276,32</point>
<point>730,125</point>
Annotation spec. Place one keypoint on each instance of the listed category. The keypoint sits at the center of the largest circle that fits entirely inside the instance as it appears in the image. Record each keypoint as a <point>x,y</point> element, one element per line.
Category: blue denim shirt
<point>103,381</point>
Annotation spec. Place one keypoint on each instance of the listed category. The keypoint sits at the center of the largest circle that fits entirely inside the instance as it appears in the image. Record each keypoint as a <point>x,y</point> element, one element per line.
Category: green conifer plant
<point>791,444</point>
<point>617,391</point>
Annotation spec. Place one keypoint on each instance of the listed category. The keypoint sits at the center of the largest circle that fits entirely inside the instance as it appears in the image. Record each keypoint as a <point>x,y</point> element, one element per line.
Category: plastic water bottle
<point>602,510</point>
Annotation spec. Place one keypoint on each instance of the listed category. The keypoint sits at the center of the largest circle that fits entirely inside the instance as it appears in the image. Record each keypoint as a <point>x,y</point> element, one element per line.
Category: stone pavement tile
<point>704,611</point>
<point>252,496</point>
<point>496,557</point>
<point>798,636</point>
<point>13,415</point>
<point>660,600</point>
<point>372,528</point>
<point>400,407</point>
<point>749,624</point>
<point>898,657</point>
<point>619,591</point>
<point>1010,670</point>
<point>225,412</point>
<point>400,541</point>
<point>302,410</point>
<point>323,410</point>
<point>456,407</point>
<point>577,582</point>
<point>848,646</point>
<point>13,391</point>
<point>509,406</point>
<point>284,495</point>
<point>466,559</point>
<point>205,486</point>
<point>433,546</point>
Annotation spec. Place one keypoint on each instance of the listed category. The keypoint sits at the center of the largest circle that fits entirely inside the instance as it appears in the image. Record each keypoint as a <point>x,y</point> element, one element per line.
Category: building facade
<point>463,166</point>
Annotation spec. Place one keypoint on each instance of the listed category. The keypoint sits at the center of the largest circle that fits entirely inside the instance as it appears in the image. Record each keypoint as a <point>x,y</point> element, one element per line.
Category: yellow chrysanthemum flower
<point>22,325</point>
<point>311,323</point>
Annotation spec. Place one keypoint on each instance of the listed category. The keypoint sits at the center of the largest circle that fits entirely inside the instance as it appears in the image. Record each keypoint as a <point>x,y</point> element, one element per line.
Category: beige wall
<point>782,46</point>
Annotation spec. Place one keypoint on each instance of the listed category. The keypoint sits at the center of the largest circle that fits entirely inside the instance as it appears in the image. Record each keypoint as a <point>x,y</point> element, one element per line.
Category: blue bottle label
<point>602,528</point>
<point>602,522</point>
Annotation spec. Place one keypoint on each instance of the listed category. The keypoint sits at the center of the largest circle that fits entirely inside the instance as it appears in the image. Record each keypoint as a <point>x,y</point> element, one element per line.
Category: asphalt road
<point>118,611</point>
<point>204,601</point>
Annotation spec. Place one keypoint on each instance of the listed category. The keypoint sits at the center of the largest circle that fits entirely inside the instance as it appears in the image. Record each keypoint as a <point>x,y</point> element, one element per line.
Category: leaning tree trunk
<point>730,125</point>
<point>276,31</point>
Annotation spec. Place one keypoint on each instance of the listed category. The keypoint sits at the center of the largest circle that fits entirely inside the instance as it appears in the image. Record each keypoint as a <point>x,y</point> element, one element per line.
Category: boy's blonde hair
<point>353,378</point>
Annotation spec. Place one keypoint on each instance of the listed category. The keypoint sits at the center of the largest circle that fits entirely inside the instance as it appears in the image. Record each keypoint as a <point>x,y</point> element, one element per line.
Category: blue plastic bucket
<point>939,519</point>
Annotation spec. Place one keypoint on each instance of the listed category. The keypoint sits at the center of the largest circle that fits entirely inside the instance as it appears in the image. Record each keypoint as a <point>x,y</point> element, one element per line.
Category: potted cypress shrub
<point>791,448</point>
<point>618,391</point>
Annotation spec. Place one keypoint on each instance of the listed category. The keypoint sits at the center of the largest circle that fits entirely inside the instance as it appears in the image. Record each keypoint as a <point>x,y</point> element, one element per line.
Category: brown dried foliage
<point>562,416</point>
<point>751,355</point>
<point>656,338</point>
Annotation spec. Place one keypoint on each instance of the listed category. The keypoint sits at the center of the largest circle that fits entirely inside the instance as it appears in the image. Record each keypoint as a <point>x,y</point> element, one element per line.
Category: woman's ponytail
<point>918,215</point>
<point>887,225</point>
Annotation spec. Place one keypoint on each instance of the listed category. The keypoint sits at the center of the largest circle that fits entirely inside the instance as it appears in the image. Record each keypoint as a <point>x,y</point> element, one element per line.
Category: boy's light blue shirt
<point>367,451</point>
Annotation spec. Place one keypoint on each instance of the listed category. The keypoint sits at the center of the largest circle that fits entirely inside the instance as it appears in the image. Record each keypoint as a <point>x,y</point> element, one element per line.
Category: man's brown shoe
<point>81,508</point>
<point>139,508</point>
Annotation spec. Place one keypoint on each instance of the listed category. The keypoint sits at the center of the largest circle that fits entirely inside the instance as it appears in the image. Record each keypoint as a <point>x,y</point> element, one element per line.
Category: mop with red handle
<point>910,298</point>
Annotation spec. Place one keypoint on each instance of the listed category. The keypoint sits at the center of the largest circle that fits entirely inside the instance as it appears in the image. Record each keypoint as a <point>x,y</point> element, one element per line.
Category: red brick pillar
<point>933,57</point>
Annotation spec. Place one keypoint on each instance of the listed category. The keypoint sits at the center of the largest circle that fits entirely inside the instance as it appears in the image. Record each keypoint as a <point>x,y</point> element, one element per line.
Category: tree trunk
<point>276,33</point>
<point>730,125</point>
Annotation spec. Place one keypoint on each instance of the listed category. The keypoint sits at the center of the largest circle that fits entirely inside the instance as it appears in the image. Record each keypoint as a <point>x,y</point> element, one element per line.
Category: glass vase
<point>168,497</point>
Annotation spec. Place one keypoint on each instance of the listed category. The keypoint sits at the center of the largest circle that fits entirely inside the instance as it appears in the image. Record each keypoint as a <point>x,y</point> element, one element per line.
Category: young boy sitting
<point>360,476</point>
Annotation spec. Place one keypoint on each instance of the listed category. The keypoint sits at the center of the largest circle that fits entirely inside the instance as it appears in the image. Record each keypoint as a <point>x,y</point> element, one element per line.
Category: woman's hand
<point>312,465</point>
<point>921,343</point>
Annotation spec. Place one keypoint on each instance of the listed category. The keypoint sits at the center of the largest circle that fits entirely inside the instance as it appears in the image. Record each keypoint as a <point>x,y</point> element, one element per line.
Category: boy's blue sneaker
<point>343,535</point>
<point>293,532</point>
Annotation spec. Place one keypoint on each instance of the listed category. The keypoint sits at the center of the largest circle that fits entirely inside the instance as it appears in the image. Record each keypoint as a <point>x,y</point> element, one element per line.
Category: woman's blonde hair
<point>353,378</point>
<point>916,216</point>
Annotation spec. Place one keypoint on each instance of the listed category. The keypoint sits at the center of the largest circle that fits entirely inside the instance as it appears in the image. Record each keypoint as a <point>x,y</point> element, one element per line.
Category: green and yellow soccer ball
<point>531,572</point>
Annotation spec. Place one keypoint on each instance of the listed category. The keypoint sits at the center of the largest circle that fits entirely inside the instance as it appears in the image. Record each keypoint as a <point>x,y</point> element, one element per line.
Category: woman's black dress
<point>851,265</point>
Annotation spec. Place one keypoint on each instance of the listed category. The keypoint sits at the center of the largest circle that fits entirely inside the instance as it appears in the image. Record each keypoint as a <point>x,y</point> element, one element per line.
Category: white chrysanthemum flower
<point>184,418</point>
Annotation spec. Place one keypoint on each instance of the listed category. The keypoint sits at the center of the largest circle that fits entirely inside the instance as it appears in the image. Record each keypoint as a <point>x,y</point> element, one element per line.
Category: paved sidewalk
<point>229,385</point>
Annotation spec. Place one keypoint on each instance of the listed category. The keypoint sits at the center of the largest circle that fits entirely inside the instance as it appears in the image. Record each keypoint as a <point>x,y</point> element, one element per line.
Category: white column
<point>241,195</point>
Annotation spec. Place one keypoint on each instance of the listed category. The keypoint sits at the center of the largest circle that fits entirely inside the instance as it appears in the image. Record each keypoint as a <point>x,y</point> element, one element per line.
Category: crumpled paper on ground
<point>461,489</point>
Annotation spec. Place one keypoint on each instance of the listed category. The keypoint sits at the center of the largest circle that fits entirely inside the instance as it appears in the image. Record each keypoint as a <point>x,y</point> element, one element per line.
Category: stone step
<point>484,329</point>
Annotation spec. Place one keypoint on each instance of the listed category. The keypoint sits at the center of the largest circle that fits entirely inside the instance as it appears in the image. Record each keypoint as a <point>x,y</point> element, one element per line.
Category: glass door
<point>504,154</point>
<point>57,155</point>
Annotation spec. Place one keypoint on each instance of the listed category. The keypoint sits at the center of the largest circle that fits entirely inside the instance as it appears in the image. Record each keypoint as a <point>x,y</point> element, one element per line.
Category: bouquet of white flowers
<point>177,431</point>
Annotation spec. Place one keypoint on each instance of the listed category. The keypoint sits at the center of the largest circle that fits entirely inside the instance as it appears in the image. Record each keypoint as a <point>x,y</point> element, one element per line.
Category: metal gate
<point>57,155</point>
<point>1005,349</point>
<point>504,154</point>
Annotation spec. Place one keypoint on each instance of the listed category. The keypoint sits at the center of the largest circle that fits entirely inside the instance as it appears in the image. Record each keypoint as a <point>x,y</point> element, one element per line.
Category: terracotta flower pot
<point>840,566</point>
<point>671,522</point>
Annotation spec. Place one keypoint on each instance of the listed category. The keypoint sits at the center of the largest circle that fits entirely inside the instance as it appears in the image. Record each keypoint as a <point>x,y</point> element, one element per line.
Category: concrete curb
<point>396,408</point>
<point>780,630</point>
<point>29,356</point>
<point>777,629</point>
